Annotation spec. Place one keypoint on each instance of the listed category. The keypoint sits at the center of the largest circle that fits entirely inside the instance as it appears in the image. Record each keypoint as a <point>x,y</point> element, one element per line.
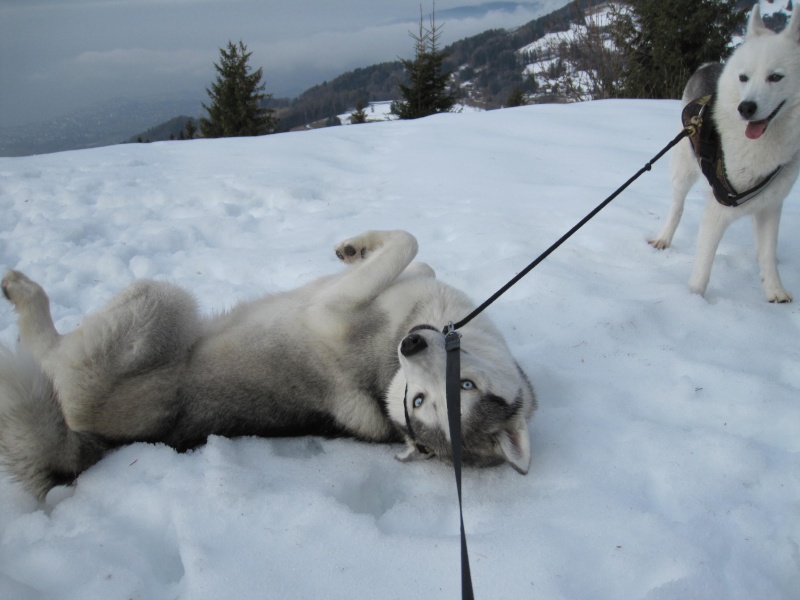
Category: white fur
<point>320,359</point>
<point>748,76</point>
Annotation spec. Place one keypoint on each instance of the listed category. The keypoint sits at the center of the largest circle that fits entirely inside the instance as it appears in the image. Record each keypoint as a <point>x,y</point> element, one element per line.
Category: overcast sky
<point>60,55</point>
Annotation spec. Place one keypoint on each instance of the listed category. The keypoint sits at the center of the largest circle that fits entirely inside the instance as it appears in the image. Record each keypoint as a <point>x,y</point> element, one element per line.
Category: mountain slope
<point>666,460</point>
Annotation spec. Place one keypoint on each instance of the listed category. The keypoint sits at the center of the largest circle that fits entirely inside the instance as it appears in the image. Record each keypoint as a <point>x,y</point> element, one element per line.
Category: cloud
<point>87,51</point>
<point>346,50</point>
<point>163,62</point>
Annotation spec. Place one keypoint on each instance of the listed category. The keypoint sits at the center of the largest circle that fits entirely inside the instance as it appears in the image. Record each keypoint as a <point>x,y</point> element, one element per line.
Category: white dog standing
<point>756,114</point>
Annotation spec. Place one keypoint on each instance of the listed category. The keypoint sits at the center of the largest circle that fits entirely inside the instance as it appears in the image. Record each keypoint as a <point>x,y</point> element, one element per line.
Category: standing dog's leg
<point>716,219</point>
<point>684,173</point>
<point>765,228</point>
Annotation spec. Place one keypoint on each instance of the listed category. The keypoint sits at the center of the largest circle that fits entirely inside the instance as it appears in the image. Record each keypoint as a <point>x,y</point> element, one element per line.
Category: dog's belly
<point>270,373</point>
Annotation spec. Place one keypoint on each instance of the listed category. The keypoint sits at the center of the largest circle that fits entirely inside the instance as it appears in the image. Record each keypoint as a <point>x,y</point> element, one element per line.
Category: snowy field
<point>666,450</point>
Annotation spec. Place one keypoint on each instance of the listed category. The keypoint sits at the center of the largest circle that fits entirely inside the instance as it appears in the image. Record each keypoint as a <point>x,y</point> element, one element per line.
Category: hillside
<point>488,61</point>
<point>486,69</point>
<point>666,455</point>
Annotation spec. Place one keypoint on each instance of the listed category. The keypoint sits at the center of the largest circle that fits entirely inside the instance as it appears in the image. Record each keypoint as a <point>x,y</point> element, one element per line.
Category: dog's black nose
<point>412,344</point>
<point>748,108</point>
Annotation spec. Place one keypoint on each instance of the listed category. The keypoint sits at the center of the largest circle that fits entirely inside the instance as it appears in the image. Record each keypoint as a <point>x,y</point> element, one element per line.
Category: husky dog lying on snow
<point>755,115</point>
<point>359,353</point>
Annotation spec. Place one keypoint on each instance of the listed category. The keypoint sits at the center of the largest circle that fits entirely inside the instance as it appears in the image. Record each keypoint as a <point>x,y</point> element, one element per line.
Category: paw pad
<point>349,253</point>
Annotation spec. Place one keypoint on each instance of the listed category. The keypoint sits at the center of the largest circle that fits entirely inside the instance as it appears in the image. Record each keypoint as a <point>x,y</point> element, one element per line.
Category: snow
<point>382,111</point>
<point>666,455</point>
<point>769,7</point>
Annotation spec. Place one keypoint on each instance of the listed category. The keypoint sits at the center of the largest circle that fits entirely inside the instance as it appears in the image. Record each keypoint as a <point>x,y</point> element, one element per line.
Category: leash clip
<point>451,337</point>
<point>694,125</point>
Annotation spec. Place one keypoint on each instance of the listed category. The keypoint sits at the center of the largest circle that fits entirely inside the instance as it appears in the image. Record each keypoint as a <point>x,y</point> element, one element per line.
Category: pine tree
<point>237,98</point>
<point>426,92</point>
<point>190,130</point>
<point>665,42</point>
<point>359,115</point>
<point>516,98</point>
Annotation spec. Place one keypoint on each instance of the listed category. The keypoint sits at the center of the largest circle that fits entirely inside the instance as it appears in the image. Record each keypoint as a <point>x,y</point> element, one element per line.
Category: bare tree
<point>587,64</point>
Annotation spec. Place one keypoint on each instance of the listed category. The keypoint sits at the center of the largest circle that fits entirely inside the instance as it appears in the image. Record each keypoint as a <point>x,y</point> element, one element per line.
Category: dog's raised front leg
<point>766,223</point>
<point>377,258</point>
<point>684,173</point>
<point>36,330</point>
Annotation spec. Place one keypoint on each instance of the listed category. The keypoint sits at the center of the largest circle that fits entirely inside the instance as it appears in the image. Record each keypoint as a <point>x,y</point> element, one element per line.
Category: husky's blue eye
<point>418,400</point>
<point>744,78</point>
<point>466,384</point>
<point>774,77</point>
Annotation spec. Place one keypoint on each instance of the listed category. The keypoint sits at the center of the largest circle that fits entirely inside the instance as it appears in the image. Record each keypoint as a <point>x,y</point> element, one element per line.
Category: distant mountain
<point>104,124</point>
<point>488,62</point>
<point>486,68</point>
<point>170,130</point>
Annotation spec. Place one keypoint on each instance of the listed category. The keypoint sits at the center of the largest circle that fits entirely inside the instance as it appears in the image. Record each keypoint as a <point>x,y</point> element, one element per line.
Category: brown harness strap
<point>707,146</point>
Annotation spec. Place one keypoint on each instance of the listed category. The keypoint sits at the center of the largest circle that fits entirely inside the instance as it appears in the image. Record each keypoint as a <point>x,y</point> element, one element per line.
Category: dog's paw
<point>779,296</point>
<point>359,247</point>
<point>348,253</point>
<point>19,289</point>
<point>659,243</point>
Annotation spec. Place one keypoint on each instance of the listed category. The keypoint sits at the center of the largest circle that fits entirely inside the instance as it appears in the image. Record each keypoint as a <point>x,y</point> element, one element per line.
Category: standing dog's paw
<point>779,296</point>
<point>659,243</point>
<point>19,289</point>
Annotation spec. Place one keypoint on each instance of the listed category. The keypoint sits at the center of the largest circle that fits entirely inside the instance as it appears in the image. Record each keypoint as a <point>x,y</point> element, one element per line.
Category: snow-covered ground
<point>382,111</point>
<point>666,450</point>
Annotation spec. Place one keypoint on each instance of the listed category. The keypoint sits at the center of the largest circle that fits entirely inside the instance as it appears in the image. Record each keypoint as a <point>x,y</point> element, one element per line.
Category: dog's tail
<point>36,446</point>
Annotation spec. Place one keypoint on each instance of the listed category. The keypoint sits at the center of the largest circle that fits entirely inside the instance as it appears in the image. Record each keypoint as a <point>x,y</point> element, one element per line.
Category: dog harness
<point>707,147</point>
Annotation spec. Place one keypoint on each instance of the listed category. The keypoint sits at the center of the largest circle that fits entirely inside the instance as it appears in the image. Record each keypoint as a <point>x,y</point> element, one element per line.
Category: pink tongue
<point>755,129</point>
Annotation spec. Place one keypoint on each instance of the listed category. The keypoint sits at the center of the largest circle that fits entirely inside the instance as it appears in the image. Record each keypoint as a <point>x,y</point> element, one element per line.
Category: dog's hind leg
<point>766,223</point>
<point>683,173</point>
<point>118,374</point>
<point>36,330</point>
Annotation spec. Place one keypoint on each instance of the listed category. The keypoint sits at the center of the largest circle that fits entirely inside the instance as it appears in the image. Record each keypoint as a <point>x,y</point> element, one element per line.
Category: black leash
<point>452,344</point>
<point>453,347</point>
<point>685,132</point>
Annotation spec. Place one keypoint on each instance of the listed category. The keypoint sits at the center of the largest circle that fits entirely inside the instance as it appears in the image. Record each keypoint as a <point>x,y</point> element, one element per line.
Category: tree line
<point>655,46</point>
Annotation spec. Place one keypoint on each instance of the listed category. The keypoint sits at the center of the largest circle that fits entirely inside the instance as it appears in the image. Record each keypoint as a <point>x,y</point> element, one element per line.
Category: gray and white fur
<point>329,358</point>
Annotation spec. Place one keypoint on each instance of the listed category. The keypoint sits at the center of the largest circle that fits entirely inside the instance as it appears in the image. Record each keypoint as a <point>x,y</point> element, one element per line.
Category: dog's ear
<point>515,443</point>
<point>793,27</point>
<point>412,452</point>
<point>755,24</point>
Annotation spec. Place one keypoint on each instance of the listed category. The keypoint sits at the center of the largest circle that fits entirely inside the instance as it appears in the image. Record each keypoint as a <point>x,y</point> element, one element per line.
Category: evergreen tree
<point>190,130</point>
<point>359,115</point>
<point>516,98</point>
<point>426,92</point>
<point>237,98</point>
<point>665,42</point>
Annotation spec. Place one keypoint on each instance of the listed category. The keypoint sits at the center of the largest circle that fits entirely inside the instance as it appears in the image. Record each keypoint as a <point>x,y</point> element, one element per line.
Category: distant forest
<point>489,60</point>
